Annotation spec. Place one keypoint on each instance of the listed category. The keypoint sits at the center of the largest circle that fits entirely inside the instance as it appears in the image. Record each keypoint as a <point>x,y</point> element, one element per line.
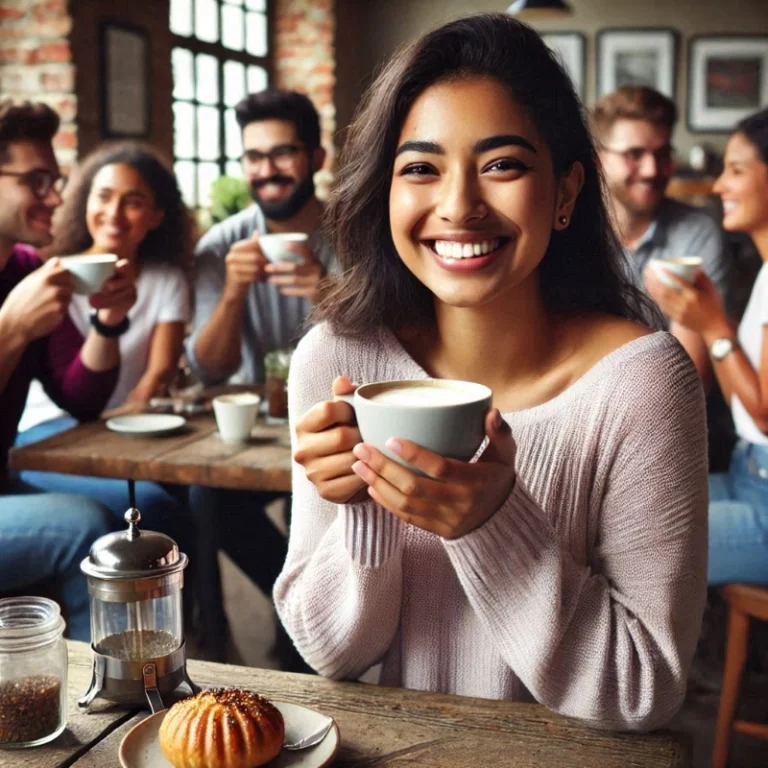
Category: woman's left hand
<point>697,307</point>
<point>455,497</point>
<point>117,295</point>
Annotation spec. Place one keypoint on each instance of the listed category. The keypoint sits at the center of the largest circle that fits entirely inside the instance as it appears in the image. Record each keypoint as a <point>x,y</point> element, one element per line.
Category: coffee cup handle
<point>348,399</point>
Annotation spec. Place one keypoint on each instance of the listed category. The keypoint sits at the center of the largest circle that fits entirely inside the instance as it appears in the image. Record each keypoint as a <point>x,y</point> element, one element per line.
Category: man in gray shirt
<point>245,306</point>
<point>633,129</point>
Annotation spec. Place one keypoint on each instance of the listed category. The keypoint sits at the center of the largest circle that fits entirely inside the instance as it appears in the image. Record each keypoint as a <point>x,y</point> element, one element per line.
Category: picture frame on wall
<point>727,80</point>
<point>125,91</point>
<point>571,49</point>
<point>637,57</point>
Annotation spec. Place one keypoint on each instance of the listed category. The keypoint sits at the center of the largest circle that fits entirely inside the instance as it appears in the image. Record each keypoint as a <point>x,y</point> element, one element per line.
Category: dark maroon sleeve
<point>70,384</point>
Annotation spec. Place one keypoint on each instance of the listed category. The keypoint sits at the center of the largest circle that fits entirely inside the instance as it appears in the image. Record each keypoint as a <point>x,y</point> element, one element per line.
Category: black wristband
<point>109,331</point>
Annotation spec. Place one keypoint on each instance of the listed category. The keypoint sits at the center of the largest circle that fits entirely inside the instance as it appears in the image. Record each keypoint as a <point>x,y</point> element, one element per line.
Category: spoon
<point>312,739</point>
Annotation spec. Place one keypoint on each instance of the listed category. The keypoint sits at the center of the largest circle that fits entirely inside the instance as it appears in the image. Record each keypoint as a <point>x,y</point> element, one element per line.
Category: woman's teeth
<point>729,205</point>
<point>449,249</point>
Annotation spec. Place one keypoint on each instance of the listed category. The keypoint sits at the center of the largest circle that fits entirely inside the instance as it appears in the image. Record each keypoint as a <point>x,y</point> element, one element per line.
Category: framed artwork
<point>636,57</point>
<point>727,80</point>
<point>125,81</point>
<point>571,49</point>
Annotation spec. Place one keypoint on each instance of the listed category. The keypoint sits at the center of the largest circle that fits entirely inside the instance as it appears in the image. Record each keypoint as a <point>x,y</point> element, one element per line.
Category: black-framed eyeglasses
<point>282,156</point>
<point>40,181</point>
<point>634,155</point>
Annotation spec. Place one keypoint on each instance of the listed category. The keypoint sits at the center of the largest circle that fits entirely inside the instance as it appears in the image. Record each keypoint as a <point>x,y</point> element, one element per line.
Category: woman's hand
<point>456,497</point>
<point>697,307</point>
<point>117,295</point>
<point>325,437</point>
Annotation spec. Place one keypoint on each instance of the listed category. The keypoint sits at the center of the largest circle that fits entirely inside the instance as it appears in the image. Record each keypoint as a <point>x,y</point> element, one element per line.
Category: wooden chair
<point>744,602</point>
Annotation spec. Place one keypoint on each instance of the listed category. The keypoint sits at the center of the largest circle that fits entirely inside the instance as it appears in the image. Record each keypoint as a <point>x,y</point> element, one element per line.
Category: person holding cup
<point>566,563</point>
<point>45,536</point>
<point>738,511</point>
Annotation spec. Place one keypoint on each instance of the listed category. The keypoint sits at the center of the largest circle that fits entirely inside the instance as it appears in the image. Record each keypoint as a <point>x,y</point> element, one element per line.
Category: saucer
<point>140,747</point>
<point>146,424</point>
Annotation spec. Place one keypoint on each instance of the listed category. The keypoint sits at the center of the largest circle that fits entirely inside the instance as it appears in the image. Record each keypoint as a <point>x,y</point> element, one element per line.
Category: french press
<point>135,580</point>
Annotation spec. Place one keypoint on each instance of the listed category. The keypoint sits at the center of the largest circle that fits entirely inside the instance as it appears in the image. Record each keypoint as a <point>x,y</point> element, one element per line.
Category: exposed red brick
<point>50,8</point>
<point>62,80</point>
<point>58,51</point>
<point>66,138</point>
<point>11,13</point>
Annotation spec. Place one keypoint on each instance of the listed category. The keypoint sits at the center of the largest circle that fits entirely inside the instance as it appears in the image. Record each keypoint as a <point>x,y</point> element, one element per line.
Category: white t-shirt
<point>162,297</point>
<point>751,341</point>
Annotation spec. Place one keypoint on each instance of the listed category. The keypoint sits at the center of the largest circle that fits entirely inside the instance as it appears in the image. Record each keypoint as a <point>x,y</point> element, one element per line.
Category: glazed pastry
<point>222,728</point>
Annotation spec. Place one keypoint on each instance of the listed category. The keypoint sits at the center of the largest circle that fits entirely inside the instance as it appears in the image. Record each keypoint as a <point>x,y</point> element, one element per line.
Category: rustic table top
<point>378,726</point>
<point>194,456</point>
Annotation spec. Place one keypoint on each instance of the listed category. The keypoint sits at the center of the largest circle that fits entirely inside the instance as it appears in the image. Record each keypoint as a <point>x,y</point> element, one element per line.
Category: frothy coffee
<point>420,396</point>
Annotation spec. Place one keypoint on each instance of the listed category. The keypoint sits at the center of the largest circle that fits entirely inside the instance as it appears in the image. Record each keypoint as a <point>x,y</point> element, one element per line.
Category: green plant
<point>228,196</point>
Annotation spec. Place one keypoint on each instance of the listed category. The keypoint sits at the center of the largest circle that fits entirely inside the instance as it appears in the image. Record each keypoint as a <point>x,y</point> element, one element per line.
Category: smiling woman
<point>568,562</point>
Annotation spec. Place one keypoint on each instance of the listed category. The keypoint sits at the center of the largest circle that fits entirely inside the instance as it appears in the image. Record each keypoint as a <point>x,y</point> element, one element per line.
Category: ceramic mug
<point>236,415</point>
<point>276,246</point>
<point>445,416</point>
<point>684,267</point>
<point>89,271</point>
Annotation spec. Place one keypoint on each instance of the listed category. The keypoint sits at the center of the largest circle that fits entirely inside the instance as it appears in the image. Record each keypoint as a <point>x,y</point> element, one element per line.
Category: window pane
<point>207,173</point>
<point>234,82</point>
<point>183,129</point>
<point>208,141</point>
<point>181,17</point>
<point>257,79</point>
<point>232,138</point>
<point>232,27</point>
<point>207,79</point>
<point>183,74</point>
<point>256,34</point>
<point>185,174</point>
<point>207,20</point>
<point>256,5</point>
<point>234,169</point>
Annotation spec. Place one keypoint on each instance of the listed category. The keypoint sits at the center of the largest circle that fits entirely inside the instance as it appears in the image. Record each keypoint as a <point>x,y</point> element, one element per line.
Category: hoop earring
<point>562,220</point>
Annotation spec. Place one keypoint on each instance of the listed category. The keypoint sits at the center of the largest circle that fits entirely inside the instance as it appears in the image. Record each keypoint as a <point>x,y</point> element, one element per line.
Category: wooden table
<point>379,726</point>
<point>194,456</point>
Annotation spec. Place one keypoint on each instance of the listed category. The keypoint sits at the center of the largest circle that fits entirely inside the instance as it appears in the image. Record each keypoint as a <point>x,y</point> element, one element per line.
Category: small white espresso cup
<point>445,416</point>
<point>276,246</point>
<point>684,267</point>
<point>90,271</point>
<point>236,415</point>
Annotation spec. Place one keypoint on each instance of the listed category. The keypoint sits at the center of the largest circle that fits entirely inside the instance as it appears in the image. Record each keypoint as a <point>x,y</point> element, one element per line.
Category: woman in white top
<point>125,200</point>
<point>738,512</point>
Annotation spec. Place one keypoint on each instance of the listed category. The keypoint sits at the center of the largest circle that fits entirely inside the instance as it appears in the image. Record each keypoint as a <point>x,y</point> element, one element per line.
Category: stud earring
<point>562,220</point>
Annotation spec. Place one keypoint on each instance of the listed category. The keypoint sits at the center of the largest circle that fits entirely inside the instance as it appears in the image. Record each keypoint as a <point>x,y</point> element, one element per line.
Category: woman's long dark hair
<point>170,243</point>
<point>755,129</point>
<point>584,268</point>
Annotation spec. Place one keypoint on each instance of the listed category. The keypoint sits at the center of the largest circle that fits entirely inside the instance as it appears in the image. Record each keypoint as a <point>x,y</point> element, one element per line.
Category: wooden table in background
<point>378,725</point>
<point>194,456</point>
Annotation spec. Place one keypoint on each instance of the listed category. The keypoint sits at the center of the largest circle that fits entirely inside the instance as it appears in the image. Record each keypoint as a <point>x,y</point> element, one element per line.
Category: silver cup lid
<point>133,554</point>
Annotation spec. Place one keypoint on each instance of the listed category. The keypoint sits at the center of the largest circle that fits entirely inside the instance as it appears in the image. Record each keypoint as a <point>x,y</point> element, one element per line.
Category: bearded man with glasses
<point>44,536</point>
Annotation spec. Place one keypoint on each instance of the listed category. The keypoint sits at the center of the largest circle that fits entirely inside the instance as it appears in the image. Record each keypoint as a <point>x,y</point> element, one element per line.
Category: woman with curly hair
<point>125,200</point>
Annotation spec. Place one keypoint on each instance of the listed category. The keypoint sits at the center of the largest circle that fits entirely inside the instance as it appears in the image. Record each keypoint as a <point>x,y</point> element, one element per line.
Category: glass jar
<point>276,365</point>
<point>33,672</point>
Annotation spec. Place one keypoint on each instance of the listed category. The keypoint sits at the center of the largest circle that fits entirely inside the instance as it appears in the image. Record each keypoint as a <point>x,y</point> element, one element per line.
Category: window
<point>221,53</point>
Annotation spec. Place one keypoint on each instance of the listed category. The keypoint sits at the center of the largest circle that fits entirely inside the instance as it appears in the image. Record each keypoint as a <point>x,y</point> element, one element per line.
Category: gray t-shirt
<point>271,320</point>
<point>682,230</point>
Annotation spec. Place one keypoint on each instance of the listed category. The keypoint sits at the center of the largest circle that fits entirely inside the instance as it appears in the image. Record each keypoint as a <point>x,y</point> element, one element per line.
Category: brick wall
<point>36,63</point>
<point>304,61</point>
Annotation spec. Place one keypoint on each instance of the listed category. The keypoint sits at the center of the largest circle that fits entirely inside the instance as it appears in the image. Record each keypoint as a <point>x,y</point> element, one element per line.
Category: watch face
<point>721,347</point>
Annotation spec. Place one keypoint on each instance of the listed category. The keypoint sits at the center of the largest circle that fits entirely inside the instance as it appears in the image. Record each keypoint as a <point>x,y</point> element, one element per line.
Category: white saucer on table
<point>140,747</point>
<point>146,424</point>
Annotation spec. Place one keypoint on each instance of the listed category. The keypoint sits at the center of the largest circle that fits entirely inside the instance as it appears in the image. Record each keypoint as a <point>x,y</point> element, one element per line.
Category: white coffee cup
<point>276,246</point>
<point>90,271</point>
<point>684,267</point>
<point>236,415</point>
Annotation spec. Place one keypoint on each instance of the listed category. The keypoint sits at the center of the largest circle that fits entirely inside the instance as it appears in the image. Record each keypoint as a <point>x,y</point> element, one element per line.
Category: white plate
<point>140,747</point>
<point>146,424</point>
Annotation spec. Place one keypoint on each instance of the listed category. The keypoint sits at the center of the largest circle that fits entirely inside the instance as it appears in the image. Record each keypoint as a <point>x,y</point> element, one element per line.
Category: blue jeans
<point>43,538</point>
<point>738,519</point>
<point>160,506</point>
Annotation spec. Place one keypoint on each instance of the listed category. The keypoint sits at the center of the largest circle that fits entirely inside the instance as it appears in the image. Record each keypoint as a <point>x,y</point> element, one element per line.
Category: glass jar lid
<point>133,553</point>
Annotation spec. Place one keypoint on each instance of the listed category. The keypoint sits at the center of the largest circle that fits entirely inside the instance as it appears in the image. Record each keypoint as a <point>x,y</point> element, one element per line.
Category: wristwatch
<point>109,331</point>
<point>721,348</point>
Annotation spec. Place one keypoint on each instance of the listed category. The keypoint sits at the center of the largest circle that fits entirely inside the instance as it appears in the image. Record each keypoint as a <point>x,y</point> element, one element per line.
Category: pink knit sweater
<point>584,591</point>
